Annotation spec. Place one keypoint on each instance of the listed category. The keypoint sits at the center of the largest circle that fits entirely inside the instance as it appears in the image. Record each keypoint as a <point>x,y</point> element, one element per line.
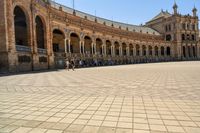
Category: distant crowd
<point>71,63</point>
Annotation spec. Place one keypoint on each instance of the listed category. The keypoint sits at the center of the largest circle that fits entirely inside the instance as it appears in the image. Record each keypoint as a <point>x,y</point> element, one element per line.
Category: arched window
<point>193,38</point>
<point>183,37</point>
<point>39,33</point>
<point>20,24</point>
<point>168,38</point>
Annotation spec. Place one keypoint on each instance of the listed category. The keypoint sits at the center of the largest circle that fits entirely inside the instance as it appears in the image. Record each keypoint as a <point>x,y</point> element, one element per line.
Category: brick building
<point>41,34</point>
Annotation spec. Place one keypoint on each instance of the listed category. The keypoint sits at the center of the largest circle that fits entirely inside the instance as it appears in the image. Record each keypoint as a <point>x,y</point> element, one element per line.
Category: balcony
<point>42,51</point>
<point>22,48</point>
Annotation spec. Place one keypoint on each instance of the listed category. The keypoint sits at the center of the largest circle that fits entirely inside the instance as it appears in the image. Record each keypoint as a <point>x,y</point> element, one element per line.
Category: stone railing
<point>21,48</point>
<point>42,51</point>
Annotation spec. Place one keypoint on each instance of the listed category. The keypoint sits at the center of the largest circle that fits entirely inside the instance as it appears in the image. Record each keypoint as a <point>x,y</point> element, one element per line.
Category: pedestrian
<point>80,63</point>
<point>67,63</point>
<point>73,64</point>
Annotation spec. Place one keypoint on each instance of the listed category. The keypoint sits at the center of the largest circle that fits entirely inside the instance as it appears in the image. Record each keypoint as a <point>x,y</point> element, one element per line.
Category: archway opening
<point>131,49</point>
<point>156,51</point>
<point>189,51</point>
<point>99,44</point>
<point>184,51</point>
<point>194,51</point>
<point>75,44</point>
<point>150,51</point>
<point>21,28</point>
<point>124,49</point>
<point>137,50</point>
<point>40,33</point>
<point>117,48</point>
<point>58,41</point>
<point>88,45</point>
<point>108,47</point>
<point>168,51</point>
<point>162,51</point>
<point>144,50</point>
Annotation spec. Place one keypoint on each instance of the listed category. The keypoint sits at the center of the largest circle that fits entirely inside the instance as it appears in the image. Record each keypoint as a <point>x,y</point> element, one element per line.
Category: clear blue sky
<point>130,11</point>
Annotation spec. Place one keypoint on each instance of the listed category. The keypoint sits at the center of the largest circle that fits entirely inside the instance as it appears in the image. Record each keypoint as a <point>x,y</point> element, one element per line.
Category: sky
<point>130,11</point>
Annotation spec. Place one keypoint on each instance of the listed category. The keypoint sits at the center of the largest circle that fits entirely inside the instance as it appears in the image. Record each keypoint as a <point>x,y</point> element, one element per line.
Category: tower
<point>194,10</point>
<point>175,7</point>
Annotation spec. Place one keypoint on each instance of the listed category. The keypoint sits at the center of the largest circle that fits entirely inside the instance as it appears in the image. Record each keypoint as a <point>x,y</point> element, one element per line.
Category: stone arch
<point>144,53</point>
<point>150,50</point>
<point>184,51</point>
<point>117,48</point>
<point>21,26</point>
<point>156,51</point>
<point>194,51</point>
<point>124,49</point>
<point>162,51</point>
<point>88,44</point>
<point>75,43</point>
<point>58,41</point>
<point>168,51</point>
<point>189,51</point>
<point>99,44</point>
<point>108,47</point>
<point>40,32</point>
<point>131,49</point>
<point>137,50</point>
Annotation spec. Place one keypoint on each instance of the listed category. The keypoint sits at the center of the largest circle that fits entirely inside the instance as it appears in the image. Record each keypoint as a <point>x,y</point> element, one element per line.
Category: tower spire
<point>194,10</point>
<point>175,7</point>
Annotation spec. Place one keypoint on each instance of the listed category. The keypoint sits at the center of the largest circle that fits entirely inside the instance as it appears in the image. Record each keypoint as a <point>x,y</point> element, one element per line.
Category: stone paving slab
<point>144,98</point>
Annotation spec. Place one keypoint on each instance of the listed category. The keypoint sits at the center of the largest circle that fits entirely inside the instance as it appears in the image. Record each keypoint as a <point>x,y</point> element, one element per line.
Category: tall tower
<point>175,7</point>
<point>194,10</point>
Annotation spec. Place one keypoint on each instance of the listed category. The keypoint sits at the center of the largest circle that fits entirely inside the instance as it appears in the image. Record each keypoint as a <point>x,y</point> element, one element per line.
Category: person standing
<point>73,64</point>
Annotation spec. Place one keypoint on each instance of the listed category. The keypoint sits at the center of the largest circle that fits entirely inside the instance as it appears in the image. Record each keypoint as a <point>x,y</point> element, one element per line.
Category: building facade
<point>41,34</point>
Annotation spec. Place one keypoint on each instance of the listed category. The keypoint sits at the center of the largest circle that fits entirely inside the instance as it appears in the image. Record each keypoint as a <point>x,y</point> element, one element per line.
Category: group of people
<point>70,63</point>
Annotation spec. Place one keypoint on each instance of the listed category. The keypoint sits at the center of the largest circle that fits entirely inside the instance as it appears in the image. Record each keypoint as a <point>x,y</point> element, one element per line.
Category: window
<point>193,27</point>
<point>166,29</point>
<point>183,26</point>
<point>188,26</point>
<point>168,38</point>
<point>193,38</point>
<point>169,27</point>
<point>183,37</point>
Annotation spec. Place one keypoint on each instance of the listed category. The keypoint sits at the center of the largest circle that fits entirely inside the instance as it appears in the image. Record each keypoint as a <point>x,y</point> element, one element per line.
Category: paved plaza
<point>142,98</point>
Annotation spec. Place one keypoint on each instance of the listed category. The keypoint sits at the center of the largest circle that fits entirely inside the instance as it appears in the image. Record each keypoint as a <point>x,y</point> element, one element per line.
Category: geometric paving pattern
<point>141,98</point>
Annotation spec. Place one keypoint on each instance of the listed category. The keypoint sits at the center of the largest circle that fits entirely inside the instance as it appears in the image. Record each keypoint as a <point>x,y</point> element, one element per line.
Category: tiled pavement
<point>146,98</point>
